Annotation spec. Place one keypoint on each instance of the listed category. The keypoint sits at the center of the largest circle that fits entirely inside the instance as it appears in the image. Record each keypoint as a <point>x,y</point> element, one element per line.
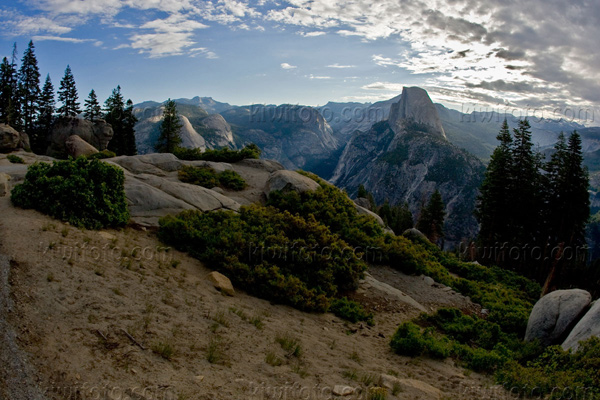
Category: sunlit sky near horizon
<point>538,55</point>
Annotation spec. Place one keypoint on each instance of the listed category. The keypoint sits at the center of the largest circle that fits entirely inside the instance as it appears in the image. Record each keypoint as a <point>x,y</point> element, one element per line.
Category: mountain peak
<point>415,106</point>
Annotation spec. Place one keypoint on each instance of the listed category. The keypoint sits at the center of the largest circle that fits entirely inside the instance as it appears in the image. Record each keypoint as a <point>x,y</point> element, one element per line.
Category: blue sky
<point>541,56</point>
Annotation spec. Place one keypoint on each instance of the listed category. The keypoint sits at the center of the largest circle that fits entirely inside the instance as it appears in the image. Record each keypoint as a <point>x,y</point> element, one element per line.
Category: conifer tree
<point>93,110</point>
<point>29,89</point>
<point>431,220</point>
<point>67,95</point>
<point>494,207</point>
<point>169,129</point>
<point>114,108</point>
<point>45,118</point>
<point>9,95</point>
<point>129,129</point>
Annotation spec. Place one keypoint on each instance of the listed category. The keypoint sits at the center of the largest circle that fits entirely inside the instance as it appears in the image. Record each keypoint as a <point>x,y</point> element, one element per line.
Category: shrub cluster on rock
<point>88,194</point>
<point>221,155</point>
<point>207,177</point>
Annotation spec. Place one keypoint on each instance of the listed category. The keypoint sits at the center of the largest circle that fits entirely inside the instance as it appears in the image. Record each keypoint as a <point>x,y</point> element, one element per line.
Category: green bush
<point>221,155</point>
<point>201,176</point>
<point>351,310</point>
<point>207,177</point>
<point>84,193</point>
<point>232,180</point>
<point>102,155</point>
<point>410,340</point>
<point>15,159</point>
<point>272,254</point>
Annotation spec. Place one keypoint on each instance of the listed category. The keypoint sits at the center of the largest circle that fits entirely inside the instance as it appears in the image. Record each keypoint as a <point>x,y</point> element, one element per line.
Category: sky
<point>538,57</point>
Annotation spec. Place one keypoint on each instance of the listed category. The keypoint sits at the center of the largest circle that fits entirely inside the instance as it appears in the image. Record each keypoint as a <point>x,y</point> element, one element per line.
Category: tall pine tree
<point>494,209</point>
<point>93,110</point>
<point>9,94</point>
<point>170,129</point>
<point>67,95</point>
<point>129,129</point>
<point>29,90</point>
<point>45,118</point>
<point>431,220</point>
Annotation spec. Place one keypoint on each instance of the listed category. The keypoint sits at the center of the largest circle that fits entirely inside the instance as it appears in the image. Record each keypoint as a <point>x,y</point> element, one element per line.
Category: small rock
<point>221,282</point>
<point>341,390</point>
<point>106,235</point>
<point>429,280</point>
<point>199,378</point>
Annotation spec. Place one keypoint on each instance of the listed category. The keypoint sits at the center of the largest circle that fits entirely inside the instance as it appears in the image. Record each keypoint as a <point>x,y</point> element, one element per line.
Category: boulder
<point>390,292</point>
<point>221,282</point>
<point>342,390</point>
<point>587,327</point>
<point>97,134</point>
<point>411,388</point>
<point>77,147</point>
<point>285,180</point>
<point>9,138</point>
<point>364,211</point>
<point>554,314</point>
<point>155,164</point>
<point>4,184</point>
<point>363,202</point>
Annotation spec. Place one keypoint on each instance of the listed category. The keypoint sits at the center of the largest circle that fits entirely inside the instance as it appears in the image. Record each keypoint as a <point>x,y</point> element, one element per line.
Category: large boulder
<point>156,164</point>
<point>365,211</point>
<point>587,327</point>
<point>9,138</point>
<point>221,283</point>
<point>97,134</point>
<point>77,147</point>
<point>554,314</point>
<point>290,180</point>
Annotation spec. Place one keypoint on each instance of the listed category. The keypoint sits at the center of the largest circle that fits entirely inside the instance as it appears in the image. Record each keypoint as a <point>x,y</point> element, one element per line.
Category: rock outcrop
<point>289,180</point>
<point>77,147</point>
<point>407,161</point>
<point>98,134</point>
<point>554,314</point>
<point>415,107</point>
<point>221,283</point>
<point>587,327</point>
<point>12,140</point>
<point>217,132</point>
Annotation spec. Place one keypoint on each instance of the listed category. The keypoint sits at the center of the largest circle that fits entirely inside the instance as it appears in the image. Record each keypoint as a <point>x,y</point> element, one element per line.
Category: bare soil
<point>113,314</point>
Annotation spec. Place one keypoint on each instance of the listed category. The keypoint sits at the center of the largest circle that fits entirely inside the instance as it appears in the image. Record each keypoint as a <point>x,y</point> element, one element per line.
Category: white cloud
<point>388,86</point>
<point>287,66</point>
<point>203,51</point>
<point>313,34</point>
<point>40,38</point>
<point>311,76</point>
<point>158,45</point>
<point>336,65</point>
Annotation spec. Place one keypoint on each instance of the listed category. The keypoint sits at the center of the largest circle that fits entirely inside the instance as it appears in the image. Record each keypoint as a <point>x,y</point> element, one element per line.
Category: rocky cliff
<point>407,157</point>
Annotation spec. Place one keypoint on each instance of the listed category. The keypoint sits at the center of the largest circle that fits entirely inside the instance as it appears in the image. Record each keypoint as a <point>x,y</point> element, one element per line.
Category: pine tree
<point>92,111</point>
<point>431,220</point>
<point>114,108</point>
<point>169,129</point>
<point>45,118</point>
<point>67,95</point>
<point>129,129</point>
<point>9,95</point>
<point>494,207</point>
<point>527,192</point>
<point>29,89</point>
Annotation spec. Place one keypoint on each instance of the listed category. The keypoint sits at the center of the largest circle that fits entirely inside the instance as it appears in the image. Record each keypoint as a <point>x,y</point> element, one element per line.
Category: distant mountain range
<point>401,149</point>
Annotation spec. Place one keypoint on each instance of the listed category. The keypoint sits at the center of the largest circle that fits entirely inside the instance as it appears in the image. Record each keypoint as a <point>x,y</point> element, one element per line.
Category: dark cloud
<point>510,55</point>
<point>503,86</point>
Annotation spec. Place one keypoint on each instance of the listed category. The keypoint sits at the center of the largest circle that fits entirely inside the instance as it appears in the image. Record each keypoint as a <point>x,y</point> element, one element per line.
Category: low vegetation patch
<point>351,310</point>
<point>207,177</point>
<point>87,194</point>
<point>221,155</point>
<point>102,155</point>
<point>15,159</point>
<point>270,253</point>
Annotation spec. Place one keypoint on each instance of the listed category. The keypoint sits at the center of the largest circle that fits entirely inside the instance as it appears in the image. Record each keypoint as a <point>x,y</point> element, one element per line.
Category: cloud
<point>388,86</point>
<point>157,45</point>
<point>313,34</point>
<point>203,51</point>
<point>336,65</point>
<point>40,38</point>
<point>287,66</point>
<point>311,76</point>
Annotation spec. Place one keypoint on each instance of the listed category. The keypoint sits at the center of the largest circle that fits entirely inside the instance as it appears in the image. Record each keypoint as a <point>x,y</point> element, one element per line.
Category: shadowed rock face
<point>98,134</point>
<point>415,106</point>
<point>406,158</point>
